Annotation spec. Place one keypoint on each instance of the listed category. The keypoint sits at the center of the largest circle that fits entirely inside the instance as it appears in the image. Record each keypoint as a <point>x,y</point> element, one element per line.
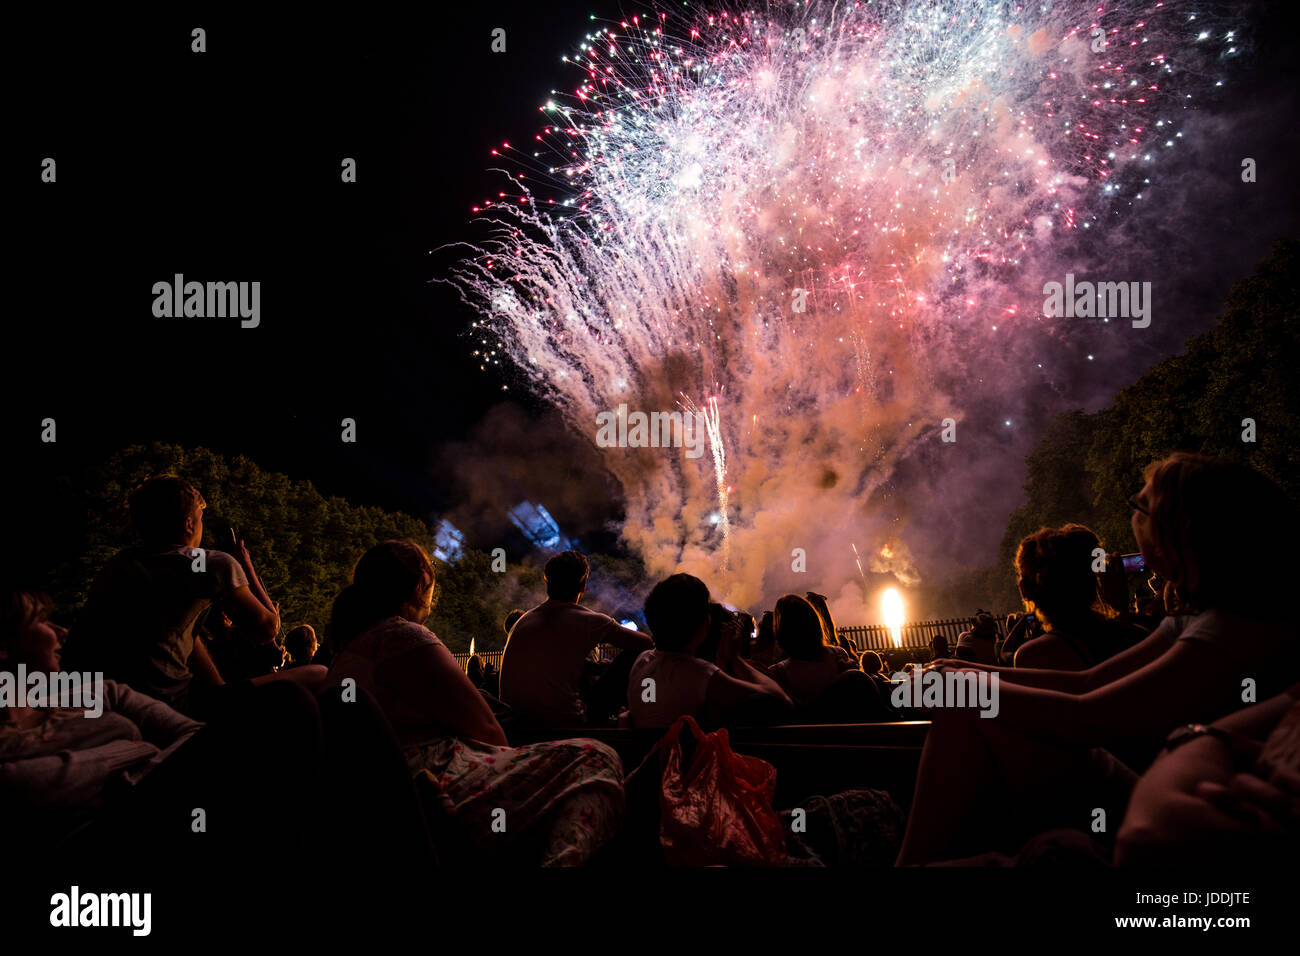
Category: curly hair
<point>1056,576</point>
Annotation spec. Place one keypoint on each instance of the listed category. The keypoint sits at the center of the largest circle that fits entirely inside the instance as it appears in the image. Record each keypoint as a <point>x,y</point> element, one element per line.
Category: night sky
<point>225,167</point>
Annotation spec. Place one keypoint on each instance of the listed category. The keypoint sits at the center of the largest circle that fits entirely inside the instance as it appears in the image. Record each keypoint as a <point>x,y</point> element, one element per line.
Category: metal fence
<point>870,637</point>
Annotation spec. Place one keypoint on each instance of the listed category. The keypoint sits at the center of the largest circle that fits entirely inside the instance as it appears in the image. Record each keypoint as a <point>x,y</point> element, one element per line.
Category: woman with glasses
<point>1212,528</point>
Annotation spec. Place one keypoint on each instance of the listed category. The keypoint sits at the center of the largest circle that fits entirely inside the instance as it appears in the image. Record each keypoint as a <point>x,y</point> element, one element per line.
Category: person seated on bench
<point>559,800</point>
<point>116,785</point>
<point>812,663</point>
<point>1057,583</point>
<point>139,622</point>
<point>669,681</point>
<point>541,670</point>
<point>1049,758</point>
<point>766,651</point>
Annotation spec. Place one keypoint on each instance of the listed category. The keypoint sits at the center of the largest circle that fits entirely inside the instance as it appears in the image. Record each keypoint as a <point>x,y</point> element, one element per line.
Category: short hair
<point>799,628</point>
<point>872,662</point>
<point>675,609</point>
<point>160,505</point>
<point>512,619</point>
<point>566,576</point>
<point>298,643</point>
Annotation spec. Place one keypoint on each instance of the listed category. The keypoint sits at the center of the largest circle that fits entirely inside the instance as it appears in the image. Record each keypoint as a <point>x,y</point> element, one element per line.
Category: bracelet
<point>1189,732</point>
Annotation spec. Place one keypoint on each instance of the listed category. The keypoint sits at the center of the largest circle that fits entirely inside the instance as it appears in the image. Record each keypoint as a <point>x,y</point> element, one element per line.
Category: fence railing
<point>869,637</point>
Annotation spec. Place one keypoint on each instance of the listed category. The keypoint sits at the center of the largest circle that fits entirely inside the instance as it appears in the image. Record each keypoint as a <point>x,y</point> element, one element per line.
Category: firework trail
<point>908,173</point>
<point>713,424</point>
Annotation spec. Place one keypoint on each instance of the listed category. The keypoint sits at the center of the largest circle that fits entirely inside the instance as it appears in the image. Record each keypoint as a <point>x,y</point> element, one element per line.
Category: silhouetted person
<point>766,651</point>
<point>301,645</point>
<point>670,681</point>
<point>512,619</point>
<point>811,664</point>
<point>541,670</point>
<point>1054,569</point>
<point>978,644</point>
<point>138,624</point>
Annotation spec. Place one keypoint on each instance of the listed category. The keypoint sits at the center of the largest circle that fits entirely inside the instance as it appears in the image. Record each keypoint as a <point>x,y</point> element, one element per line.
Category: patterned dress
<point>552,803</point>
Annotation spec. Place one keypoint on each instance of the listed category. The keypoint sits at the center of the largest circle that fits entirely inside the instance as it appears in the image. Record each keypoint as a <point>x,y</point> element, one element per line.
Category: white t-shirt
<point>1264,651</point>
<point>681,686</point>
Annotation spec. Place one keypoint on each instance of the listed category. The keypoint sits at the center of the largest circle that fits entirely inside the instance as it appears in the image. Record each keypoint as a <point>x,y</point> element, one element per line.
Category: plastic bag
<point>719,809</point>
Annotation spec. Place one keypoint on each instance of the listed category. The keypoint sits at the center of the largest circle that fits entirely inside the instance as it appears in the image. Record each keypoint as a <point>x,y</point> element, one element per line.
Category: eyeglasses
<point>1137,505</point>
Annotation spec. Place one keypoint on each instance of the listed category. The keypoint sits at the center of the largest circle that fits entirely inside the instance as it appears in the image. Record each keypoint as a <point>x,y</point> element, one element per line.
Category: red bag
<point>719,810</point>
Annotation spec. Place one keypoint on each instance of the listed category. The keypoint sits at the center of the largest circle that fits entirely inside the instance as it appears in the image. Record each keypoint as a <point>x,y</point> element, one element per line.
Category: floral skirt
<point>552,803</point>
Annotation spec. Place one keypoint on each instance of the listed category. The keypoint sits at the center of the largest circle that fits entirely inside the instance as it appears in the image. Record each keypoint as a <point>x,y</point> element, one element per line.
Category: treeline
<point>1086,466</point>
<point>304,544</point>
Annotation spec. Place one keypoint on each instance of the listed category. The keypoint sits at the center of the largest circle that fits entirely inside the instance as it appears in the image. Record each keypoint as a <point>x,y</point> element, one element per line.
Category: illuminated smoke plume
<point>916,171</point>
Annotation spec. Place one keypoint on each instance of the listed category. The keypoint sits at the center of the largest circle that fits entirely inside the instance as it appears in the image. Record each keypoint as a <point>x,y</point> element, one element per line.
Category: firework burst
<point>835,216</point>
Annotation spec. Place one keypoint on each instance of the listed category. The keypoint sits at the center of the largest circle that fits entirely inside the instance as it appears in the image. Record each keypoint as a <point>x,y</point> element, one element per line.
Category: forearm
<point>159,724</point>
<point>255,586</point>
<point>202,666</point>
<point>1063,682</point>
<point>743,670</point>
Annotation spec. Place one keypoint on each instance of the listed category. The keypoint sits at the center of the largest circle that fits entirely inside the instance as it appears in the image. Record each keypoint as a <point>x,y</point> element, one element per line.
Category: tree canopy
<point>1085,466</point>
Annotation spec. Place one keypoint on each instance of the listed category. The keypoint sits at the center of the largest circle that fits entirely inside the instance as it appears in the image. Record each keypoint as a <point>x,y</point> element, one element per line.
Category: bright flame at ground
<point>891,605</point>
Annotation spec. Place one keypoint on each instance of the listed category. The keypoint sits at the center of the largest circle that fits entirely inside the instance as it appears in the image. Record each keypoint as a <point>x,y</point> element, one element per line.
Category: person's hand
<point>1114,582</point>
<point>729,644</point>
<point>239,551</point>
<point>1273,804</point>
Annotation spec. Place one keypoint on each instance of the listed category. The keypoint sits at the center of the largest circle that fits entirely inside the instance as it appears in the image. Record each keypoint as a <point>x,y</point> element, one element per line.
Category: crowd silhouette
<point>1173,714</point>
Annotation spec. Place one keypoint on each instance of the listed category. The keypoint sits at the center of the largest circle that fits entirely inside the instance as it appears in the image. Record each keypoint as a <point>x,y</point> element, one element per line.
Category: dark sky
<point>225,166</point>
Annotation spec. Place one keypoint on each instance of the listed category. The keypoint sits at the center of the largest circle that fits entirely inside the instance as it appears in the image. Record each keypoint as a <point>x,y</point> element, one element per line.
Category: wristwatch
<point>1187,732</point>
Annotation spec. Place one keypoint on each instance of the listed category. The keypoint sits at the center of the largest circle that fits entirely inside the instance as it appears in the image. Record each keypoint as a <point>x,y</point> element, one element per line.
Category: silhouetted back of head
<point>1225,532</point>
<point>1056,576</point>
<point>566,576</point>
<point>512,619</point>
<point>301,643</point>
<point>388,576</point>
<point>872,663</point>
<point>799,628</point>
<point>474,670</point>
<point>675,609</point>
<point>159,507</point>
